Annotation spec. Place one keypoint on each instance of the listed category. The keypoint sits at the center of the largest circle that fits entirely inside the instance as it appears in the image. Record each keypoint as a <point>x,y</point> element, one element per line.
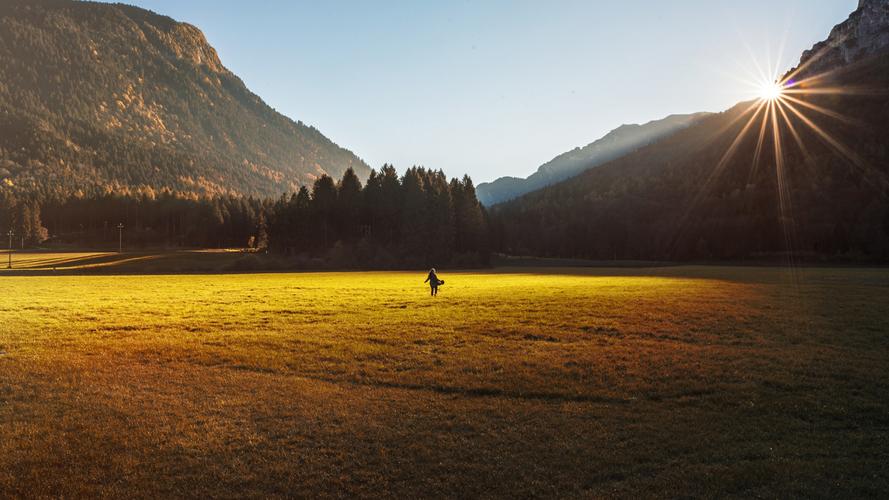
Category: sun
<point>771,91</point>
<point>784,105</point>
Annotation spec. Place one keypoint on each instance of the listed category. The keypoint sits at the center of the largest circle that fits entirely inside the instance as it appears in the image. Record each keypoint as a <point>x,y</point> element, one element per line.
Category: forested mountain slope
<point>97,97</point>
<point>714,190</point>
<point>612,145</point>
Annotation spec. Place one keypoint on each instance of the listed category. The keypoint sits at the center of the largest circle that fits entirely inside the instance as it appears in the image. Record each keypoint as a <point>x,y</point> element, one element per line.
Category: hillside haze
<point>97,97</point>
<point>618,142</point>
<point>826,195</point>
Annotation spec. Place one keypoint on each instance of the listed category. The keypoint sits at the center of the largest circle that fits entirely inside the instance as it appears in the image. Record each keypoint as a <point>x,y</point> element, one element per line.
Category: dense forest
<point>828,197</point>
<point>415,220</point>
<point>96,97</point>
<point>420,219</point>
<point>163,221</point>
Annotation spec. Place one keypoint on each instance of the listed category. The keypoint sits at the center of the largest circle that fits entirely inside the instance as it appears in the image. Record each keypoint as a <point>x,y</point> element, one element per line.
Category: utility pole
<point>10,234</point>
<point>120,238</point>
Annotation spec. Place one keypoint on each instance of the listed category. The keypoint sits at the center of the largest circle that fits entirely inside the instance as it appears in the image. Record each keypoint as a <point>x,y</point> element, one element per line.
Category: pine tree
<point>323,209</point>
<point>38,233</point>
<point>301,219</point>
<point>23,223</point>
<point>349,206</point>
<point>391,205</point>
<point>414,223</point>
<point>8,212</point>
<point>373,200</point>
<point>262,236</point>
<point>470,220</point>
<point>439,219</point>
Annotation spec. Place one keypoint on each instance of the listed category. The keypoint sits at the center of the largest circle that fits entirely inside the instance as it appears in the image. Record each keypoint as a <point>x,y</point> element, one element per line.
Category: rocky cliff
<point>864,33</point>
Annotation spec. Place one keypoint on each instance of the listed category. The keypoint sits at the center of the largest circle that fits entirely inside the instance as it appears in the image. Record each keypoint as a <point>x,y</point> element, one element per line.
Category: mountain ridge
<point>612,145</point>
<point>820,191</point>
<point>111,97</point>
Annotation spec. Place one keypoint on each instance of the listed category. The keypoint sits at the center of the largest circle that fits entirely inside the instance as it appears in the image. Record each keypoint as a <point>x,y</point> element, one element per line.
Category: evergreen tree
<point>301,219</point>
<point>280,223</point>
<point>262,236</point>
<point>469,217</point>
<point>7,212</point>
<point>349,206</point>
<point>38,234</point>
<point>23,224</point>
<point>373,201</point>
<point>439,219</point>
<point>391,206</point>
<point>323,209</point>
<point>414,221</point>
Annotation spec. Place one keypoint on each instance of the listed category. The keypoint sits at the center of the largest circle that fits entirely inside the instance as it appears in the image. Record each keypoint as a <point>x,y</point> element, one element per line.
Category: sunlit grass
<point>114,262</point>
<point>667,380</point>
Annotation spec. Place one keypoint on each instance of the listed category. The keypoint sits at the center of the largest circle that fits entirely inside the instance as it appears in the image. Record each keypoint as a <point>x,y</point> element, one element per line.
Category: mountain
<point>864,33</point>
<point>714,191</point>
<point>615,144</point>
<point>97,97</point>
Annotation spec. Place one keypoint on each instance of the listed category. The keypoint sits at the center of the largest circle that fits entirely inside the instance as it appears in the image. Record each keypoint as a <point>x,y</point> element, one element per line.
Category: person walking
<point>433,281</point>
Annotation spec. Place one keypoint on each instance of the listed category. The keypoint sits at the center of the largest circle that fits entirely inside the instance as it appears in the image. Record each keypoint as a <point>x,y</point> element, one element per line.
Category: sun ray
<point>810,82</point>
<point>754,106</point>
<point>785,202</point>
<point>759,143</point>
<point>734,145</point>
<point>779,159</point>
<point>753,59</point>
<point>766,75</point>
<point>823,110</point>
<point>837,91</point>
<point>844,151</point>
<point>776,71</point>
<point>720,166</point>
<point>793,132</point>
<point>813,59</point>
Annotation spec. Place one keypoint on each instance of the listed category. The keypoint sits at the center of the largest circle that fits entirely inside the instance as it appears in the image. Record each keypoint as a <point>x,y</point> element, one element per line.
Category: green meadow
<point>672,381</point>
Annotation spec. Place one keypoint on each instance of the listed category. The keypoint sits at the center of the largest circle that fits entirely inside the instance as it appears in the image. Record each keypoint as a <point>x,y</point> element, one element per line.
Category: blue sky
<point>494,88</point>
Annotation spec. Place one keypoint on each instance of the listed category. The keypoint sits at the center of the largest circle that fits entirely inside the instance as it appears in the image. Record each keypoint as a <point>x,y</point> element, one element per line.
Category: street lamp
<point>11,233</point>
<point>120,237</point>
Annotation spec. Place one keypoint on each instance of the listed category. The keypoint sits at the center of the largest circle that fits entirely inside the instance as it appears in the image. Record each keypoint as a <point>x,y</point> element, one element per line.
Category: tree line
<point>417,219</point>
<point>23,219</point>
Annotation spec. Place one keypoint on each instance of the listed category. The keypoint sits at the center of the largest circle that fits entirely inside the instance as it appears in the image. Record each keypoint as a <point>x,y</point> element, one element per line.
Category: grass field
<point>150,262</point>
<point>583,382</point>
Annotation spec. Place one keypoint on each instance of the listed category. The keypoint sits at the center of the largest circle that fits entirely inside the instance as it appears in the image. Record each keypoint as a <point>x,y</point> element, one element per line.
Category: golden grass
<point>701,381</point>
<point>127,262</point>
<point>49,260</point>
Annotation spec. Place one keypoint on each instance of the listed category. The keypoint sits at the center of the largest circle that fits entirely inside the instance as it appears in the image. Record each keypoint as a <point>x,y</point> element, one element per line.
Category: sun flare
<point>784,113</point>
<point>771,91</point>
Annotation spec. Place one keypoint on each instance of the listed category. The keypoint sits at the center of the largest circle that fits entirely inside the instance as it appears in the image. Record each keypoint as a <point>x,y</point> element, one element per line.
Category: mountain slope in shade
<point>826,195</point>
<point>111,97</point>
<point>615,144</point>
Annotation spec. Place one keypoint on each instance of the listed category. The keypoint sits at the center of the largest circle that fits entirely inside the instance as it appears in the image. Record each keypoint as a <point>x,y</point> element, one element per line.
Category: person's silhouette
<point>433,282</point>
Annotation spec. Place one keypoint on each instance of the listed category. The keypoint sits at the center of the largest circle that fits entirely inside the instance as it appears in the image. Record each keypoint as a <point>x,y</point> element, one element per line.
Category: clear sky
<point>494,88</point>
